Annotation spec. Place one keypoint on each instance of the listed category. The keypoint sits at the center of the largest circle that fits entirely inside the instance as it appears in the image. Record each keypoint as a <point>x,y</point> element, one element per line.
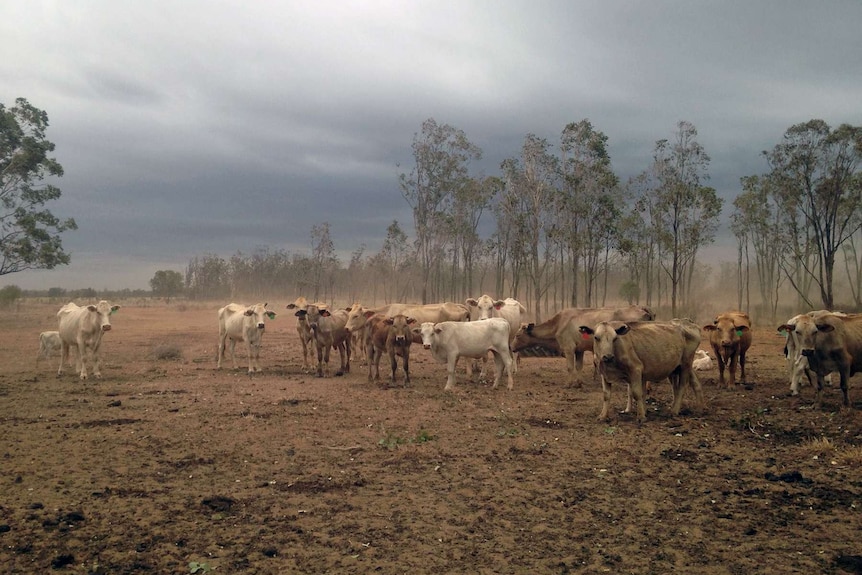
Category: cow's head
<point>605,336</point>
<point>400,329</point>
<point>259,313</point>
<point>726,330</point>
<point>484,307</point>
<point>427,332</point>
<point>102,312</point>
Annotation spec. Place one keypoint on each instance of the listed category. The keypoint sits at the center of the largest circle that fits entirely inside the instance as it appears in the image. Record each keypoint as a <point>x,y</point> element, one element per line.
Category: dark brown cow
<point>561,332</point>
<point>392,335</point>
<point>730,337</point>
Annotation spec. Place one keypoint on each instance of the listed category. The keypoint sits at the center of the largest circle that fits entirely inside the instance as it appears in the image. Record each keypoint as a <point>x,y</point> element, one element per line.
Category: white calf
<point>450,340</point>
<point>49,342</point>
<point>242,323</point>
<point>702,361</point>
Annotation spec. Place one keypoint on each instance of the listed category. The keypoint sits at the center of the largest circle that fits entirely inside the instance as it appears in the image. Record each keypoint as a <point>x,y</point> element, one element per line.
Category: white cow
<point>509,309</point>
<point>242,323</point>
<point>702,361</point>
<point>49,342</point>
<point>450,340</point>
<point>82,328</point>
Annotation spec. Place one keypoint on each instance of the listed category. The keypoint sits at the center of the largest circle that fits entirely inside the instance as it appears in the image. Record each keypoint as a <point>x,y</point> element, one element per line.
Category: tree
<point>442,154</point>
<point>9,295</point>
<point>818,171</point>
<point>167,284</point>
<point>29,233</point>
<point>325,262</point>
<point>687,212</point>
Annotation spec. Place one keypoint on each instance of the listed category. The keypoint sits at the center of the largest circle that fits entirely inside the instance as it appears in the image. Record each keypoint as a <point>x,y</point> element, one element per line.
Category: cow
<point>730,337</point>
<point>451,340</point>
<point>831,343</point>
<point>636,352</point>
<point>797,364</point>
<point>509,309</point>
<point>328,331</point>
<point>702,361</point>
<point>237,322</point>
<point>83,328</point>
<point>49,342</point>
<point>561,332</point>
<point>303,330</point>
<point>392,335</point>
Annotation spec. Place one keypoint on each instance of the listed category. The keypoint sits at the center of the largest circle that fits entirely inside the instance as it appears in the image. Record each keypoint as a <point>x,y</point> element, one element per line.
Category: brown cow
<point>831,342</point>
<point>327,328</point>
<point>394,336</point>
<point>561,332</point>
<point>730,336</point>
<point>303,330</point>
<point>636,352</point>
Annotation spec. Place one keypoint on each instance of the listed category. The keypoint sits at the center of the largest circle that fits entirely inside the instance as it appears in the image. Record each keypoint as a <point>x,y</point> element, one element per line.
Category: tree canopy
<point>29,233</point>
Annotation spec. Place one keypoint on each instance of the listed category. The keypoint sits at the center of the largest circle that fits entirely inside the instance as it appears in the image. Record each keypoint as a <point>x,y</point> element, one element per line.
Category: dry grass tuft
<point>167,352</point>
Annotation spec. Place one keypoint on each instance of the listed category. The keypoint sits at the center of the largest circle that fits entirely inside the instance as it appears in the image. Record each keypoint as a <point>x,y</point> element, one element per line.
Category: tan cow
<point>237,322</point>
<point>831,342</point>
<point>303,330</point>
<point>392,335</point>
<point>797,364</point>
<point>635,352</point>
<point>730,337</point>
<point>327,328</point>
<point>83,328</point>
<point>562,332</point>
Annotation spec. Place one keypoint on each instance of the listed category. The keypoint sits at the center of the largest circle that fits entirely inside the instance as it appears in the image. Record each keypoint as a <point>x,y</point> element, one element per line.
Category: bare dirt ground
<point>169,466</point>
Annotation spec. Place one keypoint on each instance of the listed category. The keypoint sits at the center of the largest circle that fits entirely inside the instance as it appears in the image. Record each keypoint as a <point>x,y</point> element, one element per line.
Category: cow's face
<point>356,318</point>
<point>700,354</point>
<point>400,329</point>
<point>726,332</point>
<point>810,333</point>
<point>605,336</point>
<point>102,314</point>
<point>426,332</point>
<point>483,308</point>
<point>523,337</point>
<point>258,314</point>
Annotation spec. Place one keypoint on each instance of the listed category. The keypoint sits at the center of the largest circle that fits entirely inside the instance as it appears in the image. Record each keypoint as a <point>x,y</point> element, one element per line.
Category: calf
<point>327,328</point>
<point>303,330</point>
<point>831,342</point>
<point>730,336</point>
<point>702,361</point>
<point>82,328</point>
<point>561,333</point>
<point>636,352</point>
<point>49,342</point>
<point>242,323</point>
<point>450,340</point>
<point>797,364</point>
<point>394,336</point>
<point>509,309</point>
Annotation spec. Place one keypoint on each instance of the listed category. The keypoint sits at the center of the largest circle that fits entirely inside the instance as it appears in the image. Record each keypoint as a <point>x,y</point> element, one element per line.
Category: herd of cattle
<point>628,345</point>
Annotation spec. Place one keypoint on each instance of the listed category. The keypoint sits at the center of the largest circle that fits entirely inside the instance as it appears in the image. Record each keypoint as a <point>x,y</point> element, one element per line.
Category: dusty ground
<point>168,466</point>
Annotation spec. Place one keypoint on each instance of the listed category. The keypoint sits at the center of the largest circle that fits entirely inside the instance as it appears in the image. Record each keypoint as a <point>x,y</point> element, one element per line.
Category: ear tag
<point>739,333</point>
<point>111,312</point>
<point>585,335</point>
<point>270,315</point>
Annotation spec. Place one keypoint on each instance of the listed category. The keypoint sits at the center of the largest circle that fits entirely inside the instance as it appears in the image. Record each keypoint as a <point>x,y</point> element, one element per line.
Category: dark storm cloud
<point>193,127</point>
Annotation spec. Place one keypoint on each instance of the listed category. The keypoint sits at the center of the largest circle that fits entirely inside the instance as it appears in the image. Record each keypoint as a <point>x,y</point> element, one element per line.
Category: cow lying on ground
<point>451,340</point>
<point>82,328</point>
<point>635,352</point>
<point>392,335</point>
<point>49,342</point>
<point>702,361</point>
<point>831,343</point>
<point>730,336</point>
<point>238,322</point>
<point>562,334</point>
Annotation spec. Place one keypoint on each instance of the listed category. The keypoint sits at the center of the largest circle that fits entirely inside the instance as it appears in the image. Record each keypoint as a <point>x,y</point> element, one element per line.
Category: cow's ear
<point>114,308</point>
<point>530,327</point>
<point>411,320</point>
<point>301,313</point>
<point>417,330</point>
<point>368,313</point>
<point>741,328</point>
<point>622,330</point>
<point>92,308</point>
<point>825,327</point>
<point>784,329</point>
<point>498,304</point>
<point>290,306</point>
<point>709,327</point>
<point>249,311</point>
<point>270,314</point>
<point>438,329</point>
<point>586,330</point>
<point>325,313</point>
<point>471,302</point>
<point>389,320</point>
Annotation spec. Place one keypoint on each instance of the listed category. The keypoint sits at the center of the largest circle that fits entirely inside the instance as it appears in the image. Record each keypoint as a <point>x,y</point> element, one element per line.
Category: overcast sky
<point>203,127</point>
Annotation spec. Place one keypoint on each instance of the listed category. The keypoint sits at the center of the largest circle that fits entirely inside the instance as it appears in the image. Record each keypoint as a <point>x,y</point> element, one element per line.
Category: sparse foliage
<point>167,284</point>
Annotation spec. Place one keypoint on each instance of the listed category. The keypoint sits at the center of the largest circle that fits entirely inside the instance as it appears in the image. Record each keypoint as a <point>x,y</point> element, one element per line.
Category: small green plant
<point>195,567</point>
<point>391,441</point>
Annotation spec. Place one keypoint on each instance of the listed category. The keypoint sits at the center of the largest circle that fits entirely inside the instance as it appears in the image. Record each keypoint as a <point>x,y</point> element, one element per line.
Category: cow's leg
<point>636,382</point>
<point>678,381</point>
<point>232,346</point>
<point>253,350</point>
<point>304,342</point>
<point>81,365</point>
<point>694,382</point>
<point>64,357</point>
<point>720,359</point>
<point>498,366</point>
<point>450,370</point>
<point>96,357</point>
<point>508,364</point>
<point>221,344</point>
<point>406,361</point>
<point>570,367</point>
<point>369,353</point>
<point>731,365</point>
<point>327,351</point>
<point>628,408</point>
<point>393,362</point>
<point>742,366</point>
<point>797,368</point>
<point>606,399</point>
<point>818,398</point>
<point>845,375</point>
<point>579,366</point>
<point>344,350</point>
